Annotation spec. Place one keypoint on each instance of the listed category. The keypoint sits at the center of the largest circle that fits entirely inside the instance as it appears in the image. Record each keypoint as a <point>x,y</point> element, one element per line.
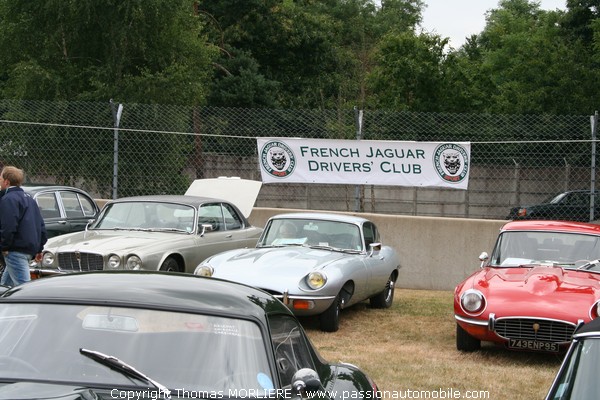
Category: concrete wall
<point>435,253</point>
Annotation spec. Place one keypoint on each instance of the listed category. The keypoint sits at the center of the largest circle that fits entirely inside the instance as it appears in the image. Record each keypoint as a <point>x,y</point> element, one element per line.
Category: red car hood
<point>543,292</point>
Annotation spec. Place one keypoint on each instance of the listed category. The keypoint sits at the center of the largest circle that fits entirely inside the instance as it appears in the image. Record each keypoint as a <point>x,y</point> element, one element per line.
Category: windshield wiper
<point>589,264</point>
<point>168,230</point>
<point>124,368</point>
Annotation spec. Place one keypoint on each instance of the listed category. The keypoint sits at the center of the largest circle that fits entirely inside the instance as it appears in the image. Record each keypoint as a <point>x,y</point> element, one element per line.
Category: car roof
<point>166,198</point>
<point>592,327</point>
<point>324,216</point>
<point>580,191</point>
<point>555,226</point>
<point>40,188</point>
<point>149,289</point>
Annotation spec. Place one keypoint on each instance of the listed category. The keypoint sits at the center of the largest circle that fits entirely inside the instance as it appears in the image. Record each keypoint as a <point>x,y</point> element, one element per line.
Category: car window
<point>76,205</point>
<point>88,205</point>
<point>180,350</point>
<point>290,346</point>
<point>147,215</point>
<point>312,232</point>
<point>565,249</point>
<point>211,214</point>
<point>579,377</point>
<point>232,218</point>
<point>48,205</point>
<point>370,233</point>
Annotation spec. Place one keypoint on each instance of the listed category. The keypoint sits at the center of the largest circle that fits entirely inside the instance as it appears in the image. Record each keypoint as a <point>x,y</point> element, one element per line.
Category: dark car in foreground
<point>540,283</point>
<point>98,335</point>
<point>577,378</point>
<point>65,209</point>
<point>574,205</point>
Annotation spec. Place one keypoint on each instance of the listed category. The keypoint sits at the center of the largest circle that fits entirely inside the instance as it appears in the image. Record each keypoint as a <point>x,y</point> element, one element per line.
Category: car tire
<point>466,342</point>
<point>329,320</point>
<point>385,298</point>
<point>170,265</point>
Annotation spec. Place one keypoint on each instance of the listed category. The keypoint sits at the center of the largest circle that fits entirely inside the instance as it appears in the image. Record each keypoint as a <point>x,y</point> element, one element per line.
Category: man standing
<point>22,229</point>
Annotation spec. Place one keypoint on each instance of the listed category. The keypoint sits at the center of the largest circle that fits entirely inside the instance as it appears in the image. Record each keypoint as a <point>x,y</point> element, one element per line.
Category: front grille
<point>80,262</point>
<point>535,329</point>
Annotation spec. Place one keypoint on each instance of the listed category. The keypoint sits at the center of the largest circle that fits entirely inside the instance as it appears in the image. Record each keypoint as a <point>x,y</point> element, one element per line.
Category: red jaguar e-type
<point>541,281</point>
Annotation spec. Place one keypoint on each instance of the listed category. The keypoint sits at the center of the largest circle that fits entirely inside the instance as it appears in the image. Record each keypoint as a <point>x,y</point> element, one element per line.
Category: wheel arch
<point>177,257</point>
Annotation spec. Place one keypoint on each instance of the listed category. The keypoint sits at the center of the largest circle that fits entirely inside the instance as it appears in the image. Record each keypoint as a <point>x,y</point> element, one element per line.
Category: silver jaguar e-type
<point>316,263</point>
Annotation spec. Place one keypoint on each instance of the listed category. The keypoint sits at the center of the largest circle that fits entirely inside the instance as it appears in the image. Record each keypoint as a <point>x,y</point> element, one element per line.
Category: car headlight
<point>316,280</point>
<point>204,270</point>
<point>133,262</point>
<point>472,301</point>
<point>114,261</point>
<point>48,259</point>
<point>595,310</point>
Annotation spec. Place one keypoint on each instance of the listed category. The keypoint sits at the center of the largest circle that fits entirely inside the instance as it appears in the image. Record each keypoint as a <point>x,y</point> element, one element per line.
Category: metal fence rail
<point>154,149</point>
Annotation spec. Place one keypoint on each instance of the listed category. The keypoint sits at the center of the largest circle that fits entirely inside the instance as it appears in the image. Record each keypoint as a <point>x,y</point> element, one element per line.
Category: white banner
<point>364,162</point>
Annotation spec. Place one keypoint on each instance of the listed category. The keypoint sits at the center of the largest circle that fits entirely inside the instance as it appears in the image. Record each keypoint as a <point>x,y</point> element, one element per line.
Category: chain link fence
<point>113,150</point>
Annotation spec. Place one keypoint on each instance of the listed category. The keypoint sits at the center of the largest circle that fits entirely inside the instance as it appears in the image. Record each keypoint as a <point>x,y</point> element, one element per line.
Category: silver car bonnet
<point>274,268</point>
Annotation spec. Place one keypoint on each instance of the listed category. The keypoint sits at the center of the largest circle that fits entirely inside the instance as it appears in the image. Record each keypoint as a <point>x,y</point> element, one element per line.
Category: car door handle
<point>62,222</point>
<point>229,236</point>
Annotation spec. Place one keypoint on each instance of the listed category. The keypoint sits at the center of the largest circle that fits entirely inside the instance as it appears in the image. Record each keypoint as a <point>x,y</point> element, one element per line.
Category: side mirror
<point>205,228</point>
<point>306,380</point>
<point>483,257</point>
<point>374,248</point>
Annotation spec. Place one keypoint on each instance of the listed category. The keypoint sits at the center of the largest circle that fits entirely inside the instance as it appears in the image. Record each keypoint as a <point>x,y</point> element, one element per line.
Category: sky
<point>458,19</point>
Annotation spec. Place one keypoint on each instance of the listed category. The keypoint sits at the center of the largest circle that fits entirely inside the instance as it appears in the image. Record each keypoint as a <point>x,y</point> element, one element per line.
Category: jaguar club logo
<point>451,162</point>
<point>277,159</point>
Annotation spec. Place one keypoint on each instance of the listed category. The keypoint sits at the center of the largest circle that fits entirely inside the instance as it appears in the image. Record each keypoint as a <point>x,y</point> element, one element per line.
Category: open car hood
<point>241,192</point>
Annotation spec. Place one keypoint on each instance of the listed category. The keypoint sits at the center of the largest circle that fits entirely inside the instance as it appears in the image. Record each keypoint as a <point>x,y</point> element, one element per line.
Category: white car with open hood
<point>161,232</point>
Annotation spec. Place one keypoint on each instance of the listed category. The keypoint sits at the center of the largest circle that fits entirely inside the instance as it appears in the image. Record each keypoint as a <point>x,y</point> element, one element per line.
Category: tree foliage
<point>150,50</point>
<point>322,54</point>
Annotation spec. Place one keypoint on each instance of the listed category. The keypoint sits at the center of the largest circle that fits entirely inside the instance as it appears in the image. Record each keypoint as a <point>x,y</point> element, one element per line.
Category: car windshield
<point>181,351</point>
<point>570,250</point>
<point>579,377</point>
<point>147,216</point>
<point>312,232</point>
<point>556,199</point>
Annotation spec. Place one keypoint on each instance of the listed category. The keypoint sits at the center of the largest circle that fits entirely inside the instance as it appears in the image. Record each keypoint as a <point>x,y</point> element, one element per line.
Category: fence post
<point>359,125</point>
<point>594,123</point>
<point>116,112</point>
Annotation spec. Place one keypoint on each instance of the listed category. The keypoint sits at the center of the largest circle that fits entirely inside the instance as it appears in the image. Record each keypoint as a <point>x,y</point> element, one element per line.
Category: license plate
<point>533,345</point>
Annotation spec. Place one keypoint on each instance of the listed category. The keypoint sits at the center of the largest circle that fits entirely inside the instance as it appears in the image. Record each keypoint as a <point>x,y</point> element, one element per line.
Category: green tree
<point>409,72</point>
<point>147,51</point>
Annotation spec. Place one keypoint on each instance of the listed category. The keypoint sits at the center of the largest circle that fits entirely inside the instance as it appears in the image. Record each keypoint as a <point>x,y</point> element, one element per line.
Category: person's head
<point>287,230</point>
<point>11,176</point>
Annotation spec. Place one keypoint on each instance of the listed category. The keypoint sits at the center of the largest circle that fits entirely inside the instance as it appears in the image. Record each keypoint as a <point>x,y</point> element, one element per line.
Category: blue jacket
<point>22,227</point>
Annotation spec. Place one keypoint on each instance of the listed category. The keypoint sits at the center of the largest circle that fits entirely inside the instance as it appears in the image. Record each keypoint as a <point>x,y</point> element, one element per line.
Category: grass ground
<point>411,347</point>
